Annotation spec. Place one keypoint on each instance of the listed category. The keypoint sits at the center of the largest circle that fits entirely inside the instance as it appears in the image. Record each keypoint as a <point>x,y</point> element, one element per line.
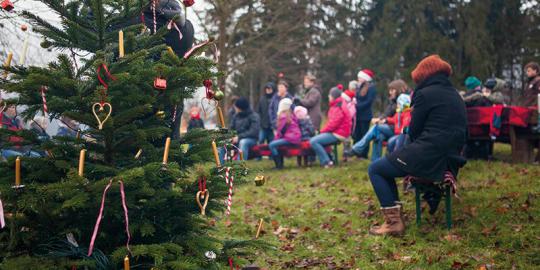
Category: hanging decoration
<point>160,83</point>
<point>7,5</point>
<point>195,48</point>
<point>202,194</point>
<point>103,104</point>
<point>100,216</point>
<point>43,89</point>
<point>229,179</point>
<point>188,3</point>
<point>208,103</point>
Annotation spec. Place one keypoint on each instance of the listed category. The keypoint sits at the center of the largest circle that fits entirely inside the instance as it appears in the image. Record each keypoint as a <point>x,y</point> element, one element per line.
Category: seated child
<point>287,133</point>
<point>306,126</point>
<point>401,121</point>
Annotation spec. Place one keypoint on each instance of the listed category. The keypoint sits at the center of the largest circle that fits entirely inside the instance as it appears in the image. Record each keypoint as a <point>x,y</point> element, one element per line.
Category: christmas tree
<point>120,168</point>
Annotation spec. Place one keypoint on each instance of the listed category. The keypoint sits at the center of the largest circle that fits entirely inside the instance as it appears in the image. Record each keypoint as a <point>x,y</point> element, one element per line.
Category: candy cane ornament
<point>229,179</point>
<point>44,99</point>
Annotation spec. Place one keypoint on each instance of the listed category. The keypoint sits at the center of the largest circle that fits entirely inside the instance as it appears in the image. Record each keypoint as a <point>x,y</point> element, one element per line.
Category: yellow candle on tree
<point>241,155</point>
<point>216,154</point>
<point>126,263</point>
<point>81,162</point>
<point>18,172</point>
<point>221,118</point>
<point>166,152</point>
<point>8,63</point>
<point>121,44</point>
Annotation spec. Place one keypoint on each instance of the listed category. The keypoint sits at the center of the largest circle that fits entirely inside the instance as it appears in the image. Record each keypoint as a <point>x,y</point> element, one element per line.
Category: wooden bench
<point>518,135</point>
<point>302,151</point>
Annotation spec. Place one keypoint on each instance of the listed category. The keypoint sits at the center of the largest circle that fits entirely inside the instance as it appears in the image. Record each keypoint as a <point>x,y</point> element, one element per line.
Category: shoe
<point>330,164</point>
<point>349,153</point>
<point>278,161</point>
<point>433,199</point>
<point>393,223</point>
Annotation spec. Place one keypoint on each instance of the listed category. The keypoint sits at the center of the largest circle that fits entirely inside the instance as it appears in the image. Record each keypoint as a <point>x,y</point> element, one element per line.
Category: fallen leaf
<point>452,237</point>
<point>275,224</point>
<point>470,211</point>
<point>488,230</point>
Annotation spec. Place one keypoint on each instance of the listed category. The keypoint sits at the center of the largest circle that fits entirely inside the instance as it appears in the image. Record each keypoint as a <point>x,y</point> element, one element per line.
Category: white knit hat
<point>284,104</point>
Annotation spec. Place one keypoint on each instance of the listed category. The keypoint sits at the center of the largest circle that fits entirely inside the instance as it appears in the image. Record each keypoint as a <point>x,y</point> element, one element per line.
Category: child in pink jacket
<point>287,132</point>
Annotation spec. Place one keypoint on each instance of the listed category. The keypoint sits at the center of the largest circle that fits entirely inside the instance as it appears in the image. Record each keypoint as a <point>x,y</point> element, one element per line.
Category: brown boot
<point>393,223</point>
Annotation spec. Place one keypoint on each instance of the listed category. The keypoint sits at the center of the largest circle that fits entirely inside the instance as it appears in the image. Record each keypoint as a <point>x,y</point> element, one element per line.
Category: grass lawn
<point>318,219</point>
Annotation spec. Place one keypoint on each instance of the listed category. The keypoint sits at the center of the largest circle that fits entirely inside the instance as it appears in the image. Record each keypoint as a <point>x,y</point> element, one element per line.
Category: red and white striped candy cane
<point>229,178</point>
<point>154,13</point>
<point>45,109</point>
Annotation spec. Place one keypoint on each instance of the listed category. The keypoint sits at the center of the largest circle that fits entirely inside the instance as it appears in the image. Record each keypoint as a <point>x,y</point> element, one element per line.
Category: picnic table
<point>507,124</point>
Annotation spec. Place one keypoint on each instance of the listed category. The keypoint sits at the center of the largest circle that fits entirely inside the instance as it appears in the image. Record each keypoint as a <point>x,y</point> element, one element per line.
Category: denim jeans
<point>378,134</point>
<point>382,175</point>
<point>266,135</point>
<point>274,145</point>
<point>244,145</point>
<point>396,142</point>
<point>318,142</point>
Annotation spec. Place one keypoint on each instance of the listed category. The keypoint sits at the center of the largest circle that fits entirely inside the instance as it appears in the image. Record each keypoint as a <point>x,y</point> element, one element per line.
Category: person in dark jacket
<point>266,134</point>
<point>532,89</point>
<point>282,92</point>
<point>365,95</point>
<point>309,96</point>
<point>474,96</point>
<point>231,111</point>
<point>247,125</point>
<point>437,133</point>
<point>380,131</point>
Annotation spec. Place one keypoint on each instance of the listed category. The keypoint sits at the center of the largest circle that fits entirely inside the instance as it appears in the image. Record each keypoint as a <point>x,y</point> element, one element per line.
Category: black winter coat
<point>247,124</point>
<point>263,111</point>
<point>437,131</point>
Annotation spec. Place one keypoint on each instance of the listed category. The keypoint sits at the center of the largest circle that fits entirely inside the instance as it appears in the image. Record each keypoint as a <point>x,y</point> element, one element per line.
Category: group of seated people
<point>288,123</point>
<point>11,146</point>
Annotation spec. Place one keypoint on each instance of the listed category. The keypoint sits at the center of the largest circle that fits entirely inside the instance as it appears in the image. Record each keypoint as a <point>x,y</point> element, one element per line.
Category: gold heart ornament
<point>101,109</point>
<point>206,195</point>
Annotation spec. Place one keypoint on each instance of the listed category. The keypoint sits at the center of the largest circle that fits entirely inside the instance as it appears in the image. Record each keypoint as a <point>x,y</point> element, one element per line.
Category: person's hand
<point>486,92</point>
<point>375,121</point>
<point>381,121</point>
<point>234,140</point>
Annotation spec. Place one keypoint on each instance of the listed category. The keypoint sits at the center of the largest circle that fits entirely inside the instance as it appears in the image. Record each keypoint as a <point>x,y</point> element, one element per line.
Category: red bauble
<point>24,27</point>
<point>7,5</point>
<point>189,3</point>
<point>160,83</point>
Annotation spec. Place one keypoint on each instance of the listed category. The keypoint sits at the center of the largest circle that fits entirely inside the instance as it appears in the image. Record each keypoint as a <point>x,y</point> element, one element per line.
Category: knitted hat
<point>284,105</point>
<point>194,112</point>
<point>349,94</point>
<point>335,92</point>
<point>242,103</point>
<point>472,82</point>
<point>430,66</point>
<point>403,101</point>
<point>366,74</point>
<point>490,83</point>
<point>353,85</point>
<point>340,86</point>
<point>300,112</point>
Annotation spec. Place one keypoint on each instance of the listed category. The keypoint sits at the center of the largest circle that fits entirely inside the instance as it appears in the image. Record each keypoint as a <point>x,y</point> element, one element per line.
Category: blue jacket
<point>273,108</point>
<point>364,104</point>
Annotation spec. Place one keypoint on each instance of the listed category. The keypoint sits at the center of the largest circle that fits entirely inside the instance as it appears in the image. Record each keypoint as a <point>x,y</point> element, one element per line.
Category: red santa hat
<point>366,74</point>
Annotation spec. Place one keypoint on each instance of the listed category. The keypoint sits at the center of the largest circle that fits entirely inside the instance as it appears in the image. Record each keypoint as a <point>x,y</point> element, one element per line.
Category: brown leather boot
<point>393,223</point>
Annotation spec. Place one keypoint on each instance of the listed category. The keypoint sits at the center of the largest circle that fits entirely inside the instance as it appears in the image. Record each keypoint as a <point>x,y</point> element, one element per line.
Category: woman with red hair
<point>437,132</point>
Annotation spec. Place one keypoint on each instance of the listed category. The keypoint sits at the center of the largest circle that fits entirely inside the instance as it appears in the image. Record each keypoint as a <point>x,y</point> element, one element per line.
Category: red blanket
<point>495,121</point>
